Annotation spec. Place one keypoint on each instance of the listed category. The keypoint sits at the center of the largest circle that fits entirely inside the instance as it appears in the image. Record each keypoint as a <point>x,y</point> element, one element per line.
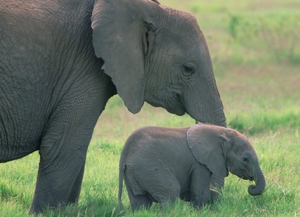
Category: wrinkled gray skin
<point>61,60</point>
<point>162,164</point>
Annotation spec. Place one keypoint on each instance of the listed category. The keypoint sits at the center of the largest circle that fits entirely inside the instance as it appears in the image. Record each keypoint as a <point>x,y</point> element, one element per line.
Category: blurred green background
<point>255,48</point>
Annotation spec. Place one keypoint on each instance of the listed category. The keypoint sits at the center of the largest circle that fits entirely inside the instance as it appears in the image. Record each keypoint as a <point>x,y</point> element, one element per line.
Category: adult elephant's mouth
<point>176,106</point>
<point>177,110</point>
<point>171,104</point>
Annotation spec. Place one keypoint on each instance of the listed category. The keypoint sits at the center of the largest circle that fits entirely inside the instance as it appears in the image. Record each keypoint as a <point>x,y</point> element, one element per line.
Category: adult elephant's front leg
<point>61,167</point>
<point>63,153</point>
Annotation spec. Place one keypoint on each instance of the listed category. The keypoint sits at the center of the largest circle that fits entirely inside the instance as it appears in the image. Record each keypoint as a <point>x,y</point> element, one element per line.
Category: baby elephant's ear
<point>207,145</point>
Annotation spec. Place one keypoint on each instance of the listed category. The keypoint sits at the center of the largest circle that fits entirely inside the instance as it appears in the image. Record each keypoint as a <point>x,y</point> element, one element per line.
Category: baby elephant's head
<point>222,150</point>
<point>242,161</point>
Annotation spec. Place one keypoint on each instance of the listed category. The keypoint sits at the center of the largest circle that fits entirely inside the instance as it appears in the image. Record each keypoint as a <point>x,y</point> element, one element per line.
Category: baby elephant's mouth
<point>251,178</point>
<point>245,176</point>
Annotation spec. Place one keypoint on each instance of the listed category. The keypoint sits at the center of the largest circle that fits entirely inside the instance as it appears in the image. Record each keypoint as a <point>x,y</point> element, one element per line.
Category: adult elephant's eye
<point>188,69</point>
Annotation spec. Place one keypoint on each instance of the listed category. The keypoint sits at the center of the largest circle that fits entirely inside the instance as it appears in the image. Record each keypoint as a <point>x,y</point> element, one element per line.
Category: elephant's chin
<point>173,105</point>
<point>176,111</point>
<point>176,107</point>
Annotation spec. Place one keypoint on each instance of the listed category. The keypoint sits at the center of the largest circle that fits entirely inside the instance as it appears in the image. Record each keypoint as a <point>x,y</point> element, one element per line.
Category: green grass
<point>259,85</point>
<point>260,122</point>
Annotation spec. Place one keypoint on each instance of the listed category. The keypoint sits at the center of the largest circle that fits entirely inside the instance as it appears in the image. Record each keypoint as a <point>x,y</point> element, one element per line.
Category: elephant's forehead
<point>188,25</point>
<point>182,22</point>
<point>242,144</point>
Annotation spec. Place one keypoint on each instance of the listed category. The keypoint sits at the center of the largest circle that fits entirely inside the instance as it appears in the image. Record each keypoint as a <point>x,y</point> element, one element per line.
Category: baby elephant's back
<point>150,143</point>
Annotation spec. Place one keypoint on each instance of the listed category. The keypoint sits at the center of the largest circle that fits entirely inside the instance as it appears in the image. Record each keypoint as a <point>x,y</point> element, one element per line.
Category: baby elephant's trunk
<point>260,184</point>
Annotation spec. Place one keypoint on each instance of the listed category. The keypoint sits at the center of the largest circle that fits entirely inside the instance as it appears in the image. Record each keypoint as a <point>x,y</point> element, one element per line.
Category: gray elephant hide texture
<point>162,164</point>
<point>60,62</point>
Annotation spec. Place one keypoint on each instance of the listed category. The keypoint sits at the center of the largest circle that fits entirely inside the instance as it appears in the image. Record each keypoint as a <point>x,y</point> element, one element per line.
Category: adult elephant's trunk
<point>202,101</point>
<point>260,184</point>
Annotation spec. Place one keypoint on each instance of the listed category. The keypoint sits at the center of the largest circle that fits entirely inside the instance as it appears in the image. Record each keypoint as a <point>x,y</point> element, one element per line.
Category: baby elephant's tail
<point>121,177</point>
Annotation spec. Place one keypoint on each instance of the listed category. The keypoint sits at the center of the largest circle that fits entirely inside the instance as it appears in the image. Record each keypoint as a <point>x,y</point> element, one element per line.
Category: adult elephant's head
<point>159,55</point>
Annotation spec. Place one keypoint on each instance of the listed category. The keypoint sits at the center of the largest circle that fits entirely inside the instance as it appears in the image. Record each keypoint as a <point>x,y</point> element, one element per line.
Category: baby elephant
<point>162,164</point>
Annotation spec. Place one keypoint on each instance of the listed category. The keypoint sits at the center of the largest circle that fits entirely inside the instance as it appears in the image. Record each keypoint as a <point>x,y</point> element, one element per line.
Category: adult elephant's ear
<point>208,144</point>
<point>120,39</point>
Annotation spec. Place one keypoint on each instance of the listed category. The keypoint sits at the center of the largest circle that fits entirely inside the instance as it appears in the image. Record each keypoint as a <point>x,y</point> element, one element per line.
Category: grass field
<point>255,47</point>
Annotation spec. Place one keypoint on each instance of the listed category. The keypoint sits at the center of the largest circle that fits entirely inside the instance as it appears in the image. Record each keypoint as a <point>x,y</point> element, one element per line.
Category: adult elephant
<point>61,60</point>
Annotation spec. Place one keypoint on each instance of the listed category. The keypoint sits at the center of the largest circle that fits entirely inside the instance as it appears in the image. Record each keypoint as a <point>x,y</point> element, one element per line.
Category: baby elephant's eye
<point>245,159</point>
<point>189,69</point>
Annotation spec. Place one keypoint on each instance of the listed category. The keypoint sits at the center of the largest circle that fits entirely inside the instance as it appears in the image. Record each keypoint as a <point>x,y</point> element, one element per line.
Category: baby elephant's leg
<point>138,197</point>
<point>139,201</point>
<point>217,184</point>
<point>200,186</point>
<point>164,187</point>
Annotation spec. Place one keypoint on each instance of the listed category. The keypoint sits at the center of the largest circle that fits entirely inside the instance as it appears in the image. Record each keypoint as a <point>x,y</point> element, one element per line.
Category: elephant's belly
<point>17,142</point>
<point>15,152</point>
